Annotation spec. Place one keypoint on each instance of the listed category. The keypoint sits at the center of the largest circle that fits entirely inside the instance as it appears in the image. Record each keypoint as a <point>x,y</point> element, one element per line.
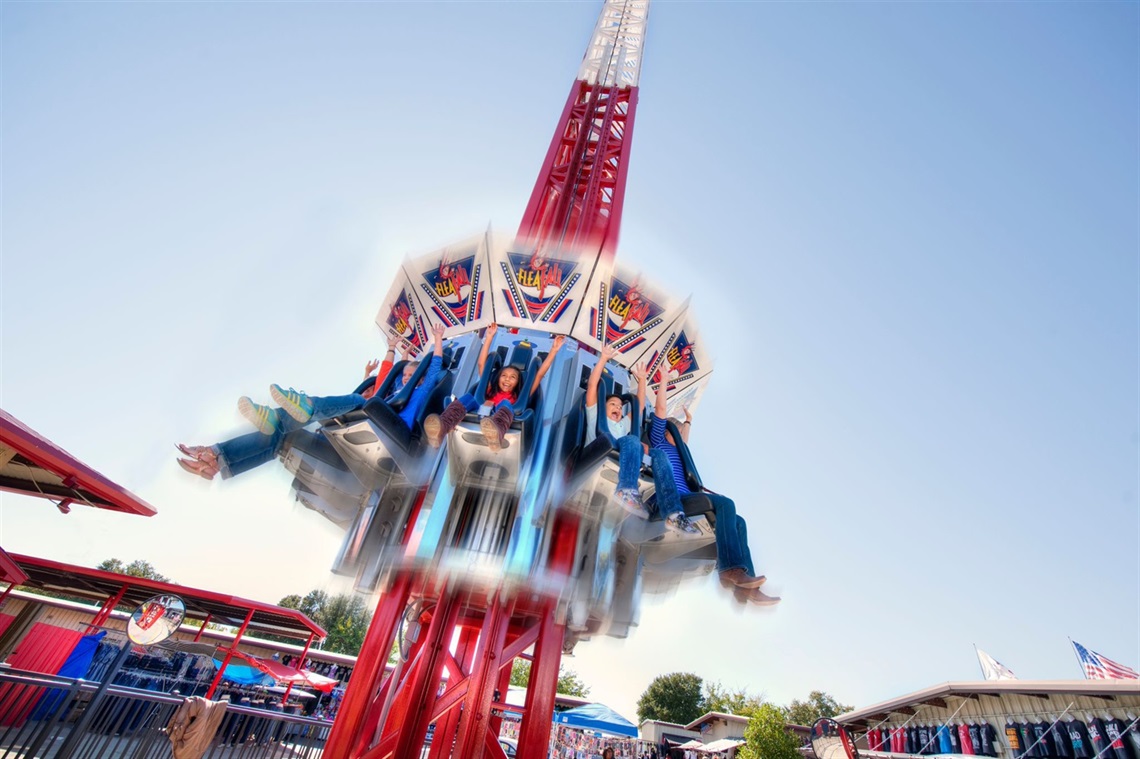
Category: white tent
<point>724,744</point>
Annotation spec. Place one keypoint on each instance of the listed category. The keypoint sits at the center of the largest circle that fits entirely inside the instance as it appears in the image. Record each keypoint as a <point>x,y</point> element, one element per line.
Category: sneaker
<point>296,405</point>
<point>262,417</point>
<point>433,430</point>
<point>630,500</point>
<point>679,523</point>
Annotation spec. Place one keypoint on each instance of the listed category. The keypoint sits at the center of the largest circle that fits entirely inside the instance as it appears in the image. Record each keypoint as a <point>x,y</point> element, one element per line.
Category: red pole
<point>289,687</point>
<point>229,655</point>
<point>108,606</point>
<point>202,629</point>
<point>368,671</point>
<point>473,724</point>
<point>534,735</point>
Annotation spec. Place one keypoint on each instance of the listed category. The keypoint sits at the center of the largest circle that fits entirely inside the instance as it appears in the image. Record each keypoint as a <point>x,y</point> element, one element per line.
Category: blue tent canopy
<point>243,674</point>
<point>597,717</point>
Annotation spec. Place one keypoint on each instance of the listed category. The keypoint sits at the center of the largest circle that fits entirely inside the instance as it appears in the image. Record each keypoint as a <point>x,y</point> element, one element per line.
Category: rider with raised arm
<point>630,448</point>
<point>501,394</point>
<point>243,453</point>
<point>733,557</point>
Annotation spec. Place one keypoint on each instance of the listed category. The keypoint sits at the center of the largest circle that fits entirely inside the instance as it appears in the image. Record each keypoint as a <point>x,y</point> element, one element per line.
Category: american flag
<point>1099,667</point>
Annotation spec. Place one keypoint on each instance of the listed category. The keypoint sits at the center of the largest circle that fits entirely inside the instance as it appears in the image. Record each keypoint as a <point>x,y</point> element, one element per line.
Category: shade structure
<point>597,717</point>
<point>724,744</point>
<point>243,674</point>
<point>694,743</point>
<point>320,682</point>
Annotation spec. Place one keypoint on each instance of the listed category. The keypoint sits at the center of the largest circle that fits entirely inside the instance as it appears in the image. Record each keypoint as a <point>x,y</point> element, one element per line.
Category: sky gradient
<point>910,232</point>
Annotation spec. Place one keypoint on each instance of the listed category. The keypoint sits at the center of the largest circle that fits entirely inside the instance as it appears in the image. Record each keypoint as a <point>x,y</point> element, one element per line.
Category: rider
<point>630,448</point>
<point>501,394</point>
<point>733,557</point>
<point>245,452</point>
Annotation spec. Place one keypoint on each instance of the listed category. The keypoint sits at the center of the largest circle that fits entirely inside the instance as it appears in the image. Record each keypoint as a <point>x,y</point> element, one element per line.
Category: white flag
<point>992,668</point>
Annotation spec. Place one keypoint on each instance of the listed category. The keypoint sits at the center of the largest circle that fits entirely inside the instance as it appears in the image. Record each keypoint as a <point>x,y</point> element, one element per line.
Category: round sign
<point>155,620</point>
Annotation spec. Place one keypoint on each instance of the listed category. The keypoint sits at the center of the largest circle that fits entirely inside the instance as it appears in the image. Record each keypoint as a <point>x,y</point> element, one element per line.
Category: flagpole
<point>979,658</point>
<point>1080,664</point>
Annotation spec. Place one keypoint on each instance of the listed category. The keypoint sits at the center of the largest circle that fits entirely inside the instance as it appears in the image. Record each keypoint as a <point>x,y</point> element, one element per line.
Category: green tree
<point>672,698</point>
<point>765,736</point>
<point>137,568</point>
<point>345,617</point>
<point>818,704</point>
<point>569,684</point>
<point>520,673</point>
<point>718,698</point>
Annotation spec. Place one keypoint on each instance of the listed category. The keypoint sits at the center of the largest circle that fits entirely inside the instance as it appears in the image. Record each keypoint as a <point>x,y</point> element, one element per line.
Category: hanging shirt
<point>987,735</point>
<point>964,739</point>
<point>1079,739</point>
<point>955,739</point>
<point>1013,738</point>
<point>1099,739</point>
<point>945,745</point>
<point>1042,739</point>
<point>1028,742</point>
<point>1060,741</point>
<point>1133,738</point>
<point>1119,748</point>
<point>976,740</point>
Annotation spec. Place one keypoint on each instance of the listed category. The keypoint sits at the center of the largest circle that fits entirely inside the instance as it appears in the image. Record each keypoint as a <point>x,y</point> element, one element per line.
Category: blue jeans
<point>629,461</point>
<point>245,452</point>
<point>731,536</point>
<point>666,499</point>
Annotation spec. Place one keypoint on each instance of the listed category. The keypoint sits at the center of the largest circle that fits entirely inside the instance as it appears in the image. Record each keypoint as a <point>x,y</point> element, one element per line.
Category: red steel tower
<point>458,640</point>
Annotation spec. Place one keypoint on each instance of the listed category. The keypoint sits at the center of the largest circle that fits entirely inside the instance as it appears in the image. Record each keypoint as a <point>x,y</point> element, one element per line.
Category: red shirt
<point>501,396</point>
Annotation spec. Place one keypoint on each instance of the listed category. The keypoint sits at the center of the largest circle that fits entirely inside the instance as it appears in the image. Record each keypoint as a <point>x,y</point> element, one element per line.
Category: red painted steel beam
<point>578,197</point>
<point>473,725</point>
<point>368,671</point>
<point>229,655</point>
<point>534,733</point>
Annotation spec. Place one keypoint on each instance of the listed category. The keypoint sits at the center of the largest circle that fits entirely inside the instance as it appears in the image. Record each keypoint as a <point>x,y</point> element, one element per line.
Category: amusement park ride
<point>482,556</point>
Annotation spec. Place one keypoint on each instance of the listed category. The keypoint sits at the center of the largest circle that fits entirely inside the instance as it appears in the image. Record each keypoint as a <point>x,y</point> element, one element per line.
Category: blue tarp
<point>243,674</point>
<point>75,666</point>
<point>597,717</point>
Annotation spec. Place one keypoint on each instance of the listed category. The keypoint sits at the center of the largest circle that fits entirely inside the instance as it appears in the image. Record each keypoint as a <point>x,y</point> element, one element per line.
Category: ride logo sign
<point>449,289</point>
<point>451,284</point>
<point>538,287</point>
<point>629,309</point>
<point>400,318</point>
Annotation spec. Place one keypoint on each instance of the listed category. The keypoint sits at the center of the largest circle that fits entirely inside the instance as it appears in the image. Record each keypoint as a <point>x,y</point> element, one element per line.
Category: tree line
<point>681,697</point>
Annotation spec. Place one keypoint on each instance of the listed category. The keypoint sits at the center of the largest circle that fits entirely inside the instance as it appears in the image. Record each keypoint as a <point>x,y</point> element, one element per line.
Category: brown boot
<point>496,425</point>
<point>436,426</point>
<point>739,578</point>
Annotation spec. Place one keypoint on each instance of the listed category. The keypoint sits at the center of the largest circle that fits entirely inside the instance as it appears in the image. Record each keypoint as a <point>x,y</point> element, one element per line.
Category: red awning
<point>31,464</point>
<point>10,571</point>
<point>285,674</point>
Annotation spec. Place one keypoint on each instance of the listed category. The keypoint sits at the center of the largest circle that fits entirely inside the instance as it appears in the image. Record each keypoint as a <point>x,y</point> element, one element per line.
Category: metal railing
<point>38,713</point>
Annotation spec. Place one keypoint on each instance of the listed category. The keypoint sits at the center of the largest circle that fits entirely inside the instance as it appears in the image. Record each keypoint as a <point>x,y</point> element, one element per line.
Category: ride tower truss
<point>458,640</point>
<point>576,203</point>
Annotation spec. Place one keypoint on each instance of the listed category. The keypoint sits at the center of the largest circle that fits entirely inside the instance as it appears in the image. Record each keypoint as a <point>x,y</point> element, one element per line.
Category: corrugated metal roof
<point>221,608</point>
<point>936,695</point>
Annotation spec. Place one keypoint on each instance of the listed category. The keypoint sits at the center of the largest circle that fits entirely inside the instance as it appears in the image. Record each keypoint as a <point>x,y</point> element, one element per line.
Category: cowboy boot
<point>436,426</point>
<point>495,426</point>
<point>200,468</point>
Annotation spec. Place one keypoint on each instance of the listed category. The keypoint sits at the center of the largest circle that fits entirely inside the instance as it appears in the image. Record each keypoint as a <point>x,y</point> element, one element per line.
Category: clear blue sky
<point>910,231</point>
